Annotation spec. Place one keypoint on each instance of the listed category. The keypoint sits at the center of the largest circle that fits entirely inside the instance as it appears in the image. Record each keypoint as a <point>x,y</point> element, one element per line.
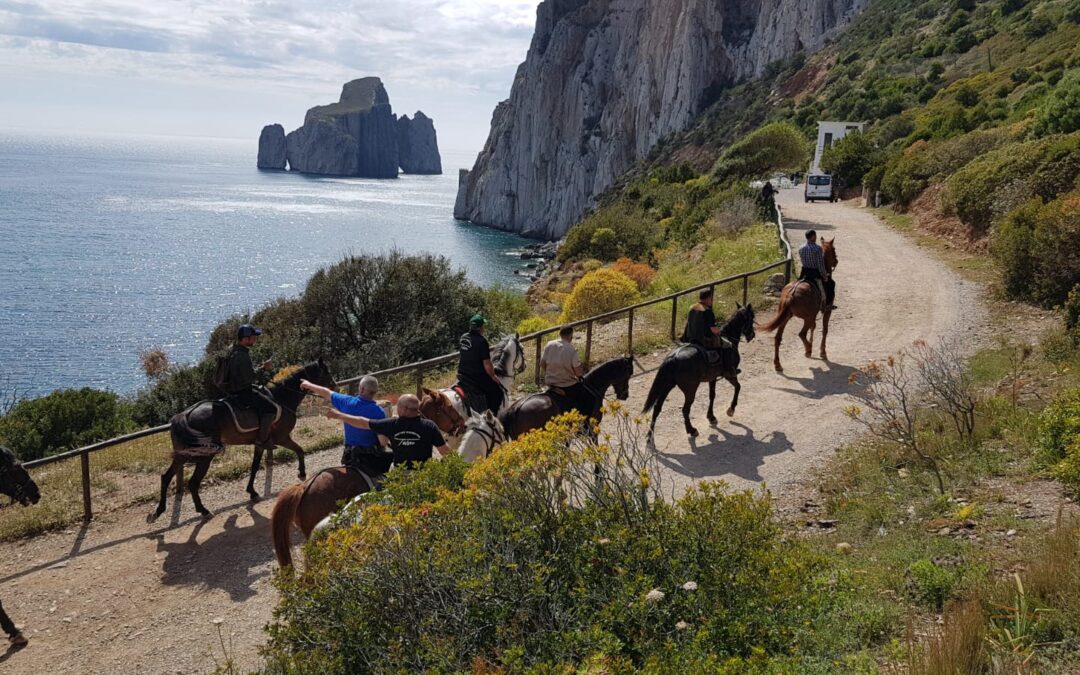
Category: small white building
<point>829,133</point>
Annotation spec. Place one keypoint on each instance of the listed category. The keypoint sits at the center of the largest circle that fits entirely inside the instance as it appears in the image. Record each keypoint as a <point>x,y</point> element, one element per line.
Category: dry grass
<point>957,648</point>
<point>128,474</point>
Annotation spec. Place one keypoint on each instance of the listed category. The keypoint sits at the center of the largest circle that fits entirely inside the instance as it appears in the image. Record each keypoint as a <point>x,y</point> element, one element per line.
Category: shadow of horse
<point>728,453</point>
<point>832,380</point>
<point>226,561</point>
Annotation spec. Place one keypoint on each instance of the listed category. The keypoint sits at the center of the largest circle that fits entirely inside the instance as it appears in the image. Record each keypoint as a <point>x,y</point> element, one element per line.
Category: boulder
<point>774,285</point>
<point>418,146</point>
<point>272,147</point>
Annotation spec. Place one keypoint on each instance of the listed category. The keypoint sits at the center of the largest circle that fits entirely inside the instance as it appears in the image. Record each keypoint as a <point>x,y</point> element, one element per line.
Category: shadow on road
<point>224,561</point>
<point>740,454</point>
<point>831,380</point>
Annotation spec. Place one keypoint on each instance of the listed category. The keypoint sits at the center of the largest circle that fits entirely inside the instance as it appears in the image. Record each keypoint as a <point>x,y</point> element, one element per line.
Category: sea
<point>110,245</point>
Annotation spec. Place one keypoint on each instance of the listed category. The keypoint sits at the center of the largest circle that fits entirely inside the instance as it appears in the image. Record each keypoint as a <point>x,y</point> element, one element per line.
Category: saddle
<point>246,419</point>
<point>713,356</point>
<point>473,400</point>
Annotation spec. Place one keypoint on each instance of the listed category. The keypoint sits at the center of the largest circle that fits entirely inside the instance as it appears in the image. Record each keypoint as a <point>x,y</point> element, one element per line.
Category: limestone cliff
<point>272,147</point>
<point>604,80</point>
<point>418,146</point>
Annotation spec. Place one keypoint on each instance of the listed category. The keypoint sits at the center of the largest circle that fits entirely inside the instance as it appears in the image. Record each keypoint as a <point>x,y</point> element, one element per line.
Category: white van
<point>819,186</point>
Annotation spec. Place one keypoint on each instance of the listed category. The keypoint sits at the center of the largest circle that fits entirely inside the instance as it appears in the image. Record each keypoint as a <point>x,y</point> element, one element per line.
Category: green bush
<point>635,234</point>
<point>504,308</point>
<point>520,572</point>
<point>908,174</point>
<point>1060,111</point>
<point>175,390</point>
<point>779,146</point>
<point>1036,246</point>
<point>1059,438</point>
<point>930,583</point>
<point>850,158</point>
<point>63,420</point>
<point>992,185</point>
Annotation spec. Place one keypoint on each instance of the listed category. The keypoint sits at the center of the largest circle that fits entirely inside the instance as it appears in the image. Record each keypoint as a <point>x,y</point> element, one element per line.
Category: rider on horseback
<point>814,271</point>
<point>412,437</point>
<point>363,449</point>
<point>701,328</point>
<point>243,387</point>
<point>475,372</point>
<point>562,371</point>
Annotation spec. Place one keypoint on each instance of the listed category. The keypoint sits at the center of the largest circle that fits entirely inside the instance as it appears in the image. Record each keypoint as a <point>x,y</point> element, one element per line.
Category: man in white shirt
<point>561,369</point>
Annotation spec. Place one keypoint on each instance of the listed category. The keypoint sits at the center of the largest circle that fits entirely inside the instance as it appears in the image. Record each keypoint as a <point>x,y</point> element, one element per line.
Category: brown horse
<point>307,504</point>
<point>802,299</point>
<point>436,406</point>
<point>201,432</point>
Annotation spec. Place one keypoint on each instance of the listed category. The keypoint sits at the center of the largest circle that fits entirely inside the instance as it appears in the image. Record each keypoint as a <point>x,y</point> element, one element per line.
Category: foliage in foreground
<point>534,562</point>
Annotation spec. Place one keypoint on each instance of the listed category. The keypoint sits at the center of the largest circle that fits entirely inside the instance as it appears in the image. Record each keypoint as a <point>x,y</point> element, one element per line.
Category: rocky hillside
<point>604,80</point>
<point>357,136</point>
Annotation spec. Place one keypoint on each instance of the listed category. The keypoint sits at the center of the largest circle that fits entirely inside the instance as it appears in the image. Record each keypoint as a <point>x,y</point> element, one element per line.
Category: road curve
<point>889,292</point>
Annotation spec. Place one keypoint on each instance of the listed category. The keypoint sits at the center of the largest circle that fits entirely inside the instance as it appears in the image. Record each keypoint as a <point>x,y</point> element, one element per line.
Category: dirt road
<point>123,596</point>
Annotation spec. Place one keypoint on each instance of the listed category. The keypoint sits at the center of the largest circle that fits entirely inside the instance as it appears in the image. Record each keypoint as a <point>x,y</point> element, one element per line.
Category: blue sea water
<point>113,244</point>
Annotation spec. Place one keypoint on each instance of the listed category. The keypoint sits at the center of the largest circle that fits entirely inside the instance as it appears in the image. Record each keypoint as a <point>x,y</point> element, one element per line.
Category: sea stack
<point>418,147</point>
<point>272,147</point>
<point>358,136</point>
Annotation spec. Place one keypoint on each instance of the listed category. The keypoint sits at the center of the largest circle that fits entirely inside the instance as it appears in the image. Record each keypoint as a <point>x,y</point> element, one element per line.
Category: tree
<point>850,158</point>
<point>779,146</point>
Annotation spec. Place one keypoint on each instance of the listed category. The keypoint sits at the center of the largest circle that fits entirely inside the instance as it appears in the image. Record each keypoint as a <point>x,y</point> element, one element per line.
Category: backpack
<point>221,371</point>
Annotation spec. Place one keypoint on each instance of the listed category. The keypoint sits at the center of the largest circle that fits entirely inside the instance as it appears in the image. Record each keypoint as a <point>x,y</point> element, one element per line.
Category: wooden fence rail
<point>420,368</point>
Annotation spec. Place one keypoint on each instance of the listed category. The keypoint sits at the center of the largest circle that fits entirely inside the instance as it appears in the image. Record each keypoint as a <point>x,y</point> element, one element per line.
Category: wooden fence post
<point>674,315</point>
<point>87,511</point>
<point>588,345</point>
<point>745,290</point>
<point>787,271</point>
<point>536,363</point>
<point>419,383</point>
<point>630,334</point>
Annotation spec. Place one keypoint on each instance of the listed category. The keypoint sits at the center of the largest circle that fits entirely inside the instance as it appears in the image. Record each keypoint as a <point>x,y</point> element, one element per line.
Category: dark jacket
<point>699,325</point>
<point>242,375</point>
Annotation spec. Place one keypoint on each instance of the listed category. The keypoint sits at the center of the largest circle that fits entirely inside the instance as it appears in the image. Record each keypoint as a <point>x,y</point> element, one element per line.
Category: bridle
<point>492,437</point>
<point>19,489</point>
<point>457,422</point>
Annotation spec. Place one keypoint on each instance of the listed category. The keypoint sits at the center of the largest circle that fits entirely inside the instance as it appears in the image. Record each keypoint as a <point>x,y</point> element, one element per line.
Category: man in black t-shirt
<point>476,374</point>
<point>412,438</point>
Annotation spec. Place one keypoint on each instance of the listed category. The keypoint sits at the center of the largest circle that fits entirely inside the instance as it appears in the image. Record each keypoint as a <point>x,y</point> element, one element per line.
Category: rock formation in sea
<point>357,136</point>
<point>604,80</point>
<point>418,147</point>
<point>272,147</point>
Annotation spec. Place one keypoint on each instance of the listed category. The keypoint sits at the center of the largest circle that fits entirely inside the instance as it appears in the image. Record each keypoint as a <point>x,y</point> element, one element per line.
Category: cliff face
<point>418,146</point>
<point>357,136</point>
<point>604,80</point>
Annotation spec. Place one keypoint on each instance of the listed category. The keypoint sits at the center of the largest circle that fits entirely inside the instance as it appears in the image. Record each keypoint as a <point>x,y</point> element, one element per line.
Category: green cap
<point>477,321</point>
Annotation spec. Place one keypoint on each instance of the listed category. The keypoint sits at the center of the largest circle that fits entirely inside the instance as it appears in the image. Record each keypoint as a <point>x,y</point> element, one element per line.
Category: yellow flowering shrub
<point>598,292</point>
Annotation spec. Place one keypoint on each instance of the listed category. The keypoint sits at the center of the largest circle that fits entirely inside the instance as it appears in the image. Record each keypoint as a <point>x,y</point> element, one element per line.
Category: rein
<point>491,438</point>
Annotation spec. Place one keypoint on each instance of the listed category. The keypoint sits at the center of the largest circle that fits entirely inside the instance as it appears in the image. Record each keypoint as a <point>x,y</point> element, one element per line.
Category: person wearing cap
<point>475,372</point>
<point>813,270</point>
<point>363,448</point>
<point>244,383</point>
<point>412,438</point>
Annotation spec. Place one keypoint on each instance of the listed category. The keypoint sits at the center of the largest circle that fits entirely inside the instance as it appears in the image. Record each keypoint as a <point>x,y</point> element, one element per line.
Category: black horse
<point>533,412</point>
<point>17,484</point>
<point>201,432</point>
<point>688,366</point>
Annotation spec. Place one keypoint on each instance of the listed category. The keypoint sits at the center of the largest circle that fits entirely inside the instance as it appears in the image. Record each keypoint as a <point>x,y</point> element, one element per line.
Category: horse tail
<point>783,313</point>
<point>281,520</point>
<point>662,385</point>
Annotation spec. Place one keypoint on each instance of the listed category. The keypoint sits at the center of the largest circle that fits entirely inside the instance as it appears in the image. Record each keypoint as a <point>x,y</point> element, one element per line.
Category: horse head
<point>622,383</point>
<point>743,319</point>
<point>438,409</point>
<point>481,430</point>
<point>15,481</point>
<point>510,356</point>
<point>828,249</point>
<point>615,373</point>
<point>319,373</point>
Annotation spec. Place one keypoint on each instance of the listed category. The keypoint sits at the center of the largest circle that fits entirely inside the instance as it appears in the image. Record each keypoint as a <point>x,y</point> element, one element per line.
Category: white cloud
<point>457,55</point>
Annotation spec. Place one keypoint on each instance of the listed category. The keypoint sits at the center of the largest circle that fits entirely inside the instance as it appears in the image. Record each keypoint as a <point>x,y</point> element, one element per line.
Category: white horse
<point>483,433</point>
<point>508,359</point>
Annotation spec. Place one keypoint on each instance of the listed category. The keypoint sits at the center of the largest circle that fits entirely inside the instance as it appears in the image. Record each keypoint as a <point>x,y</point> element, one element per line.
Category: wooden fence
<point>420,369</point>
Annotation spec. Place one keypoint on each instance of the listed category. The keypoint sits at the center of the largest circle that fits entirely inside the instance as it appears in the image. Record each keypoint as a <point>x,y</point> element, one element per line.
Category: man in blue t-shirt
<point>412,438</point>
<point>363,449</point>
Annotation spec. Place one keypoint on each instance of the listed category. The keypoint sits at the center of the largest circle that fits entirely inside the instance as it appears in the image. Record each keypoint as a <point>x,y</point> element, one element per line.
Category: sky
<point>224,68</point>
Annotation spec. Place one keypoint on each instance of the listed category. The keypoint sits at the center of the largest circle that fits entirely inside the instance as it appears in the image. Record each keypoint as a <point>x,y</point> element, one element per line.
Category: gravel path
<point>122,596</point>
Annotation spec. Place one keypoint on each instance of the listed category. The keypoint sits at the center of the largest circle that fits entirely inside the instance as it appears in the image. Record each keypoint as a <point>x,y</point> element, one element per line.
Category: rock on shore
<point>418,146</point>
<point>272,147</point>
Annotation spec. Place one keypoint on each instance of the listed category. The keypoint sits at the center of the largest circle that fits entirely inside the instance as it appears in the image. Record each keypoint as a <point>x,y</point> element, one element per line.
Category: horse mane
<point>305,372</point>
<point>737,320</point>
<point>602,369</point>
<point>7,456</point>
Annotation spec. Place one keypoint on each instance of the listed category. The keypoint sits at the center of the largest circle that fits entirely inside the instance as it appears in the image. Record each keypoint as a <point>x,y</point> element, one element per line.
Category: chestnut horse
<point>802,299</point>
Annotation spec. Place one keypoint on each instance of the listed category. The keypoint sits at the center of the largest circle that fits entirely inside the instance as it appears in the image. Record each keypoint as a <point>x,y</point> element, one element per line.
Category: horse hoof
<point>712,420</point>
<point>779,369</point>
<point>154,515</point>
<point>731,412</point>
<point>254,497</point>
<point>302,477</point>
<point>692,433</point>
<point>205,513</point>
